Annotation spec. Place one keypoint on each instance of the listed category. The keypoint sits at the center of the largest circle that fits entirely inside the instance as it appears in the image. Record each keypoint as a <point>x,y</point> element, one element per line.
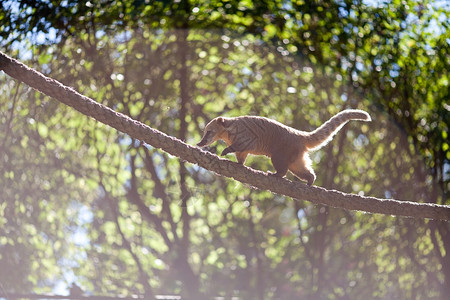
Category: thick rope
<point>176,147</point>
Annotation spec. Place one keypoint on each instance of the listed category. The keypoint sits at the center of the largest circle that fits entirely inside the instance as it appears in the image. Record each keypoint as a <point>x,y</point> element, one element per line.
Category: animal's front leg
<point>227,150</point>
<point>239,146</point>
<point>241,156</point>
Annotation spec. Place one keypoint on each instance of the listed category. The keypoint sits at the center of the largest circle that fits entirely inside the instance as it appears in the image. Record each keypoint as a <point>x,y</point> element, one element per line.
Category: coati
<point>287,147</point>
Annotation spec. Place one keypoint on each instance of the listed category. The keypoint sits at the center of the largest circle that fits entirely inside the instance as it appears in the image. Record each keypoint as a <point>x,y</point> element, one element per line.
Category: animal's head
<point>214,130</point>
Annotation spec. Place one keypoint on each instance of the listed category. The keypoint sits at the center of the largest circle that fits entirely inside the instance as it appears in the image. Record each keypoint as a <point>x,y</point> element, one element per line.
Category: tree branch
<point>258,179</point>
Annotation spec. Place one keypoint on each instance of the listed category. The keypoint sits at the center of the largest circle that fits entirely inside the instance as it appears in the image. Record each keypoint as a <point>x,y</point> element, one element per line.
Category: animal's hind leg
<point>302,169</point>
<point>306,175</point>
<point>280,164</point>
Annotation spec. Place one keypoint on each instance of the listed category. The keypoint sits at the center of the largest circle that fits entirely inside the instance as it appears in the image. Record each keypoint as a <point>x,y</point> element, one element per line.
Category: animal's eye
<point>208,133</point>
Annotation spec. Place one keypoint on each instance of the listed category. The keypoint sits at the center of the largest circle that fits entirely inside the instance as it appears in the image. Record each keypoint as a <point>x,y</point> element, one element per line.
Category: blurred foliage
<point>84,204</point>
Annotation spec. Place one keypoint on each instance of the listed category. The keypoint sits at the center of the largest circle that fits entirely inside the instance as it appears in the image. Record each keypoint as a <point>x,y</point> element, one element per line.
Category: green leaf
<point>42,129</point>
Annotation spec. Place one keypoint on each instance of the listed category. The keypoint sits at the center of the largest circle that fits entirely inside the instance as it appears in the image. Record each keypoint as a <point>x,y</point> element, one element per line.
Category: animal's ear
<point>222,121</point>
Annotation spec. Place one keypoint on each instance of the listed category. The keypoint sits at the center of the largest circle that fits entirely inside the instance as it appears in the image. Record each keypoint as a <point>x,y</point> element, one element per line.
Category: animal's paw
<point>275,174</point>
<point>227,150</point>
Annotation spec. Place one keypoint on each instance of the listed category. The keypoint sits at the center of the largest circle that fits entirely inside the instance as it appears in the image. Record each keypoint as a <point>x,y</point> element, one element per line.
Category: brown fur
<point>287,147</point>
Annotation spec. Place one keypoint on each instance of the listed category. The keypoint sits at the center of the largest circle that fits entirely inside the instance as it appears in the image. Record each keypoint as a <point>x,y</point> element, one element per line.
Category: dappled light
<point>86,205</point>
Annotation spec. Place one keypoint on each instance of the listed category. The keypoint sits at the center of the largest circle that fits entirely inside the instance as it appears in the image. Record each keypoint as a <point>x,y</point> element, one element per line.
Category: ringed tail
<point>325,133</point>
